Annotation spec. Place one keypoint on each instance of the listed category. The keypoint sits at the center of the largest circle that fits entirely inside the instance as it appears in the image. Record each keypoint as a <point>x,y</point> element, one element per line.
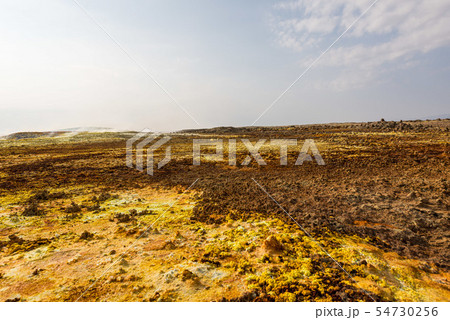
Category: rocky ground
<point>77,224</point>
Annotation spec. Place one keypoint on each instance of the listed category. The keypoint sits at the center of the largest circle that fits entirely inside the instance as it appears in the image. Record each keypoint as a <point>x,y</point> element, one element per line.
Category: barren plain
<point>77,224</point>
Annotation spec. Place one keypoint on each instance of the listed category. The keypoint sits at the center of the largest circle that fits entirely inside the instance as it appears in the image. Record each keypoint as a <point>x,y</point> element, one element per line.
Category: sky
<point>220,63</point>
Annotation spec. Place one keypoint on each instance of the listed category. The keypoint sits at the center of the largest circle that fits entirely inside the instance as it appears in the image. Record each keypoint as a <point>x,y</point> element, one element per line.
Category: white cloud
<point>391,34</point>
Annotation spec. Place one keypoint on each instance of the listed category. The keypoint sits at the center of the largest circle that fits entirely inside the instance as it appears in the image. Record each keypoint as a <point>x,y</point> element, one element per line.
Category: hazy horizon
<point>225,63</point>
<point>109,129</point>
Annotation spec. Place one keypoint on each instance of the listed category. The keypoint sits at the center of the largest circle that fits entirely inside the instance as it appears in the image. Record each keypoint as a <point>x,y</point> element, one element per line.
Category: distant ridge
<point>28,135</point>
<point>437,117</point>
<point>56,133</point>
<point>435,121</point>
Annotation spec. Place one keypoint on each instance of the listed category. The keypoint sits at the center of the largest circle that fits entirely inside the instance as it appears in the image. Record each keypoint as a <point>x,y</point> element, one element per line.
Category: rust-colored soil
<point>72,218</point>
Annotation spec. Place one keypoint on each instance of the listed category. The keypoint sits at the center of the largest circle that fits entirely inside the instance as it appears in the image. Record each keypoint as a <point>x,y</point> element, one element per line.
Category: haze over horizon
<point>224,62</point>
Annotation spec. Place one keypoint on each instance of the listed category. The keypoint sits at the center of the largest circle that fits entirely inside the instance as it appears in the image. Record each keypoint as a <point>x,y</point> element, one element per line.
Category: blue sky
<point>223,61</point>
